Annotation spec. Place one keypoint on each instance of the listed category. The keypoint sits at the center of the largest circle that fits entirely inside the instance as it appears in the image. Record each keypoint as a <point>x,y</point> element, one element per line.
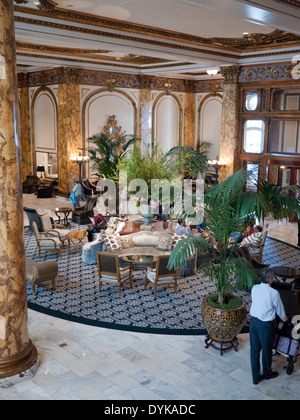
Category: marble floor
<point>79,362</point>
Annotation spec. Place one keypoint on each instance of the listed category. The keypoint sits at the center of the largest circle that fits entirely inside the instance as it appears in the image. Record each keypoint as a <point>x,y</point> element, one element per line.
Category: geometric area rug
<point>78,299</point>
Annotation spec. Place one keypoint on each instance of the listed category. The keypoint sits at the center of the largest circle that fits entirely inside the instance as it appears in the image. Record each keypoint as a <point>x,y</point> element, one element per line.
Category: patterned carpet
<point>78,299</point>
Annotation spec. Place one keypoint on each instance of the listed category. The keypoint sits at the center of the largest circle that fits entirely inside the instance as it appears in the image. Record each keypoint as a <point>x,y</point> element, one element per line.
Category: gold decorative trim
<point>92,53</point>
<point>275,39</point>
<point>143,40</point>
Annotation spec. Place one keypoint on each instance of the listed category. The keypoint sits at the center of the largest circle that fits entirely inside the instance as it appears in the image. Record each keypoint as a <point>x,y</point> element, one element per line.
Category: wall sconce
<point>80,160</point>
<point>217,165</point>
<point>212,72</point>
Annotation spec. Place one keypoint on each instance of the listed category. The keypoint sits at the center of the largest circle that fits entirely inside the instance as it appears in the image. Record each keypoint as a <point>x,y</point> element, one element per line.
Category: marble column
<point>146,114</point>
<point>69,140</point>
<point>189,120</point>
<point>17,353</point>
<point>25,132</point>
<point>229,124</point>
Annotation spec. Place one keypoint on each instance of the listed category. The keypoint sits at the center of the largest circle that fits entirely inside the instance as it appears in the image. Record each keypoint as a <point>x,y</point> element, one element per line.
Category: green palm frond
<point>105,153</point>
<point>186,159</point>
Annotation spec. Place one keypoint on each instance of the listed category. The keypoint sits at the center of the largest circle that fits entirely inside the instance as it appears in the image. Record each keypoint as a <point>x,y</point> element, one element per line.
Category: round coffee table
<point>77,236</point>
<point>140,259</point>
<point>285,272</point>
<point>66,211</point>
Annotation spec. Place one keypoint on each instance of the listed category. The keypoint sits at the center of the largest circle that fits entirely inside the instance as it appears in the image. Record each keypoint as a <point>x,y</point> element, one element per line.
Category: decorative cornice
<point>115,80</point>
<point>44,6</point>
<point>85,54</point>
<point>124,37</point>
<point>292,3</point>
<point>264,73</point>
<point>251,41</point>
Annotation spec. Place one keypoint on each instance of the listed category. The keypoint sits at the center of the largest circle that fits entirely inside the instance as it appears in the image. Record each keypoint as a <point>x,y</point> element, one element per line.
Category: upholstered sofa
<point>142,243</point>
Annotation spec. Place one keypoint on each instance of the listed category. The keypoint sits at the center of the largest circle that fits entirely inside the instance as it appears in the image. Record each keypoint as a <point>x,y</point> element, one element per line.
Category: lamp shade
<point>40,169</point>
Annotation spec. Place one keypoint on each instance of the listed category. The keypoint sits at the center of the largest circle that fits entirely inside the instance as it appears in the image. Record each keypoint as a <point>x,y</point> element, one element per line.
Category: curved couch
<point>145,243</point>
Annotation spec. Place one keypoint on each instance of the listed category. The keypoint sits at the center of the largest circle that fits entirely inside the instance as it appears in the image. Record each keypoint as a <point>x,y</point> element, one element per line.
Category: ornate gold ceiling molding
<point>44,6</point>
<point>92,53</point>
<point>55,25</point>
<point>258,41</point>
<point>114,24</point>
<point>251,42</point>
<point>293,3</point>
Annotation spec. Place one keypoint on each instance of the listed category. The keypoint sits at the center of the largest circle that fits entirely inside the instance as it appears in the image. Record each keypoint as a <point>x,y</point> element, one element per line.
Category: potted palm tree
<point>106,152</point>
<point>229,209</point>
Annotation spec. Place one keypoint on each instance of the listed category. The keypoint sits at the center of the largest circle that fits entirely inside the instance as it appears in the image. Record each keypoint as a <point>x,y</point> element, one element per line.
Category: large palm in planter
<point>105,153</point>
<point>228,209</point>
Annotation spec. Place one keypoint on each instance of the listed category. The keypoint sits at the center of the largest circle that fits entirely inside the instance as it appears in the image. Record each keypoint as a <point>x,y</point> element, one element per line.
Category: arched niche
<point>209,122</point>
<point>99,106</point>
<point>44,125</point>
<point>167,122</point>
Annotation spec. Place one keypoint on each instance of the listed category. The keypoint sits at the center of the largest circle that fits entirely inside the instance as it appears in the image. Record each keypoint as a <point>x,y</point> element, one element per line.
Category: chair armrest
<point>125,268</point>
<point>48,239</point>
<point>56,225</point>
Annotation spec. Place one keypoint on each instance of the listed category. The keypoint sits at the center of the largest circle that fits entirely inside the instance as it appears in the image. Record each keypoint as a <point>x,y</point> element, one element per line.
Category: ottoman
<point>37,273</point>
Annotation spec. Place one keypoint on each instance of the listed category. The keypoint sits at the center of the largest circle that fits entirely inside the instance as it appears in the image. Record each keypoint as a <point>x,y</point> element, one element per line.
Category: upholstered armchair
<point>46,191</point>
<point>30,183</point>
<point>37,273</point>
<point>44,242</point>
<point>82,214</point>
<point>33,216</point>
<point>161,275</point>
<point>110,271</point>
<point>54,230</point>
<point>88,187</point>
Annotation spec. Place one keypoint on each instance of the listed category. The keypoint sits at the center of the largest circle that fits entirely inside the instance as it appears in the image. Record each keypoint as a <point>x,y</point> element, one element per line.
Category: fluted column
<point>229,125</point>
<point>17,353</point>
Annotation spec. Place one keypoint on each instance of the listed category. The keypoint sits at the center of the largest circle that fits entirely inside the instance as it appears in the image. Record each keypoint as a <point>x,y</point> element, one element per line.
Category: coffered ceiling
<point>172,38</point>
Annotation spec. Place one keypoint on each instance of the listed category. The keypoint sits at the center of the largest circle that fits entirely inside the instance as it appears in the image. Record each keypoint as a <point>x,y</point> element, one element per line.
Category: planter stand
<point>221,345</point>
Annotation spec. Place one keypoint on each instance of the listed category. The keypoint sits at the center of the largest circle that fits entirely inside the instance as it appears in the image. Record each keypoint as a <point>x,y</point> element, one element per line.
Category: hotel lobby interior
<point>171,73</point>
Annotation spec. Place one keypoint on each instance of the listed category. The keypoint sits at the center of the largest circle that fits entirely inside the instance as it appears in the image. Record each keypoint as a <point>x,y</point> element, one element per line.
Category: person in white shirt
<point>266,304</point>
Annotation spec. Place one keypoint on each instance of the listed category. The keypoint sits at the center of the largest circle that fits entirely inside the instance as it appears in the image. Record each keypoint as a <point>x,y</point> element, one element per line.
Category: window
<point>254,135</point>
<point>253,170</point>
<point>285,136</point>
<point>251,101</point>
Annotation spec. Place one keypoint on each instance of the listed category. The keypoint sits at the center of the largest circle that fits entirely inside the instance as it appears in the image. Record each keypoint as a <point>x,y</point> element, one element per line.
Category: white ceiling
<point>173,56</point>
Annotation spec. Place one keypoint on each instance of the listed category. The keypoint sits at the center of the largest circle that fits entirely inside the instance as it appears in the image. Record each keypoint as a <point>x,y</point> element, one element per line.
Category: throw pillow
<point>164,243</point>
<point>177,238</point>
<point>112,242</point>
<point>253,240</point>
<point>127,242</point>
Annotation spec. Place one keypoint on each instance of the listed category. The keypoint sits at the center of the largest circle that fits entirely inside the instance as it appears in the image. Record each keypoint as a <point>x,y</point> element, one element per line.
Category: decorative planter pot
<point>147,215</point>
<point>223,325</point>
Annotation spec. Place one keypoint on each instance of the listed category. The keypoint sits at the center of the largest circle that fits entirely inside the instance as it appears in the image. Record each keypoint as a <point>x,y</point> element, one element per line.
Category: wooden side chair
<point>257,252</point>
<point>161,275</point>
<point>110,271</point>
<point>45,243</point>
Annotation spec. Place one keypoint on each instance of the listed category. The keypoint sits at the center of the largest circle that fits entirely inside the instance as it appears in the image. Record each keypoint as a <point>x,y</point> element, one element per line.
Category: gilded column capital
<point>230,73</point>
<point>146,81</point>
<point>68,74</point>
